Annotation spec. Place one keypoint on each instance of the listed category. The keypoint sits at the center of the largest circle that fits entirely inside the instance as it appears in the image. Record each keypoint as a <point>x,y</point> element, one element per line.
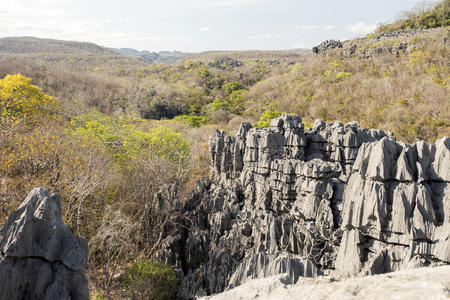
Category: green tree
<point>193,121</point>
<point>204,74</point>
<point>220,104</point>
<point>236,101</point>
<point>232,87</point>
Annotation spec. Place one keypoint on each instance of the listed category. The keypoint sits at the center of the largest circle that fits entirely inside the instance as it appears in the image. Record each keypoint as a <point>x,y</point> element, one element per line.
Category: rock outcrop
<point>327,45</point>
<point>386,43</point>
<point>225,63</point>
<point>40,256</point>
<point>332,198</point>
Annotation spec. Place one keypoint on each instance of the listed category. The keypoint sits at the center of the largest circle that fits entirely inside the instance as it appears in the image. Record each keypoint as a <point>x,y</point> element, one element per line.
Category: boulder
<point>41,257</point>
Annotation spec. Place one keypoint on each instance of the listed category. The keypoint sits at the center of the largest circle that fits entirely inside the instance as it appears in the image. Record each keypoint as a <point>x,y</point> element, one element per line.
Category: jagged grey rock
<point>327,45</point>
<point>306,202</point>
<point>41,258</point>
<point>225,63</point>
<point>263,265</point>
<point>396,207</point>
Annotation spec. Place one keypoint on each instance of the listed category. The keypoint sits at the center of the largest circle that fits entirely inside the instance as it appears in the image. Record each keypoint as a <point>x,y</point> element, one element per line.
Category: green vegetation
<point>194,121</point>
<point>267,116</point>
<point>123,141</point>
<point>343,75</point>
<point>421,17</point>
<point>220,104</point>
<point>106,169</point>
<point>232,87</point>
<point>150,280</point>
<point>366,90</point>
<point>419,58</point>
<point>236,101</point>
<point>97,296</point>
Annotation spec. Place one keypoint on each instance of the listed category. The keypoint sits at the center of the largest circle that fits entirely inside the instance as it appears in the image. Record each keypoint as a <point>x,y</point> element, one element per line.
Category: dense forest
<point>113,134</point>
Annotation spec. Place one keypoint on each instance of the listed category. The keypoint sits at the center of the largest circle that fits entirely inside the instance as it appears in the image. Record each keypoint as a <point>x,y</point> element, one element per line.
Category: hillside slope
<point>37,45</point>
<point>397,82</point>
<point>274,56</point>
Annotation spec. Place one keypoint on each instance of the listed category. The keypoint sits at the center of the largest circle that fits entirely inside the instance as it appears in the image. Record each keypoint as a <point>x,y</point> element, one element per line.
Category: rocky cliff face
<point>333,198</point>
<point>396,208</point>
<point>40,256</point>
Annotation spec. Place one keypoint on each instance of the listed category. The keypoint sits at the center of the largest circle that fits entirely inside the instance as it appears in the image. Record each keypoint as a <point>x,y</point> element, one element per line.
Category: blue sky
<point>197,25</point>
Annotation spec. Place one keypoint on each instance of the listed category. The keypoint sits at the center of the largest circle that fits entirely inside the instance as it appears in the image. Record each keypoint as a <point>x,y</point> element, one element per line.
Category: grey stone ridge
<point>40,256</point>
<point>334,198</point>
<point>355,47</point>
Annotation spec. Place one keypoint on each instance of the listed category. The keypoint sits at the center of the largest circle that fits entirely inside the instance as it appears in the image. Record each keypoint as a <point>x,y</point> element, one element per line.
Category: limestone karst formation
<point>40,256</point>
<point>332,198</point>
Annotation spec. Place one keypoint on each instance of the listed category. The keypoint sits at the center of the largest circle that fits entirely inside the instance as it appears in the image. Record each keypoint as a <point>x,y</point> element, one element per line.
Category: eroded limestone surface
<point>333,198</point>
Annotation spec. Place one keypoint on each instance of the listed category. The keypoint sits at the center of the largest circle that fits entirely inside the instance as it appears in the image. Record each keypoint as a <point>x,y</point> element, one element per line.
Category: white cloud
<point>264,36</point>
<point>299,46</point>
<point>205,29</point>
<point>20,19</point>
<point>309,27</point>
<point>233,3</point>
<point>39,3</point>
<point>312,27</point>
<point>361,28</point>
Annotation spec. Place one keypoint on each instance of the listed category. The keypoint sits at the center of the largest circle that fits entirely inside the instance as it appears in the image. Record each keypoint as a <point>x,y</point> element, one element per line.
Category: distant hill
<point>293,55</point>
<point>38,46</point>
<point>154,57</point>
<point>26,45</point>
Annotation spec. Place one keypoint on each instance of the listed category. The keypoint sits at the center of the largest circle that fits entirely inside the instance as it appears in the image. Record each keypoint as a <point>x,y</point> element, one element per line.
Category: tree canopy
<point>21,99</point>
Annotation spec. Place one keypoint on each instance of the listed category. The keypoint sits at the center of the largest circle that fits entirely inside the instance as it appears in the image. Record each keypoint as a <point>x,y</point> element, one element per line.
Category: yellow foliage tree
<point>21,99</point>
